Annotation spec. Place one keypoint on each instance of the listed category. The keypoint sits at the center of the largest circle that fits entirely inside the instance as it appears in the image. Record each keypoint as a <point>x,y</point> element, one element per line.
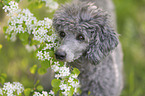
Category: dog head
<point>83,29</point>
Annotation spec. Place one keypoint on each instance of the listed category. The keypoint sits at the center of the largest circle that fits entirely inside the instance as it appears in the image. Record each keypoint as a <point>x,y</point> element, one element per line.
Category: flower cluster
<point>44,93</point>
<point>63,72</point>
<point>10,88</point>
<point>51,4</point>
<point>22,23</point>
<point>11,9</point>
<point>43,56</point>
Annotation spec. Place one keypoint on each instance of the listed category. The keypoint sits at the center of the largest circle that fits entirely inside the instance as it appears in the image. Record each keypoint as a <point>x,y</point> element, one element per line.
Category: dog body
<point>89,43</point>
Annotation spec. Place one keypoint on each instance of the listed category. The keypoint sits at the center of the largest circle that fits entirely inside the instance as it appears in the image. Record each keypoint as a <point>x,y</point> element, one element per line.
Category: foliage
<point>39,33</point>
<point>131,27</point>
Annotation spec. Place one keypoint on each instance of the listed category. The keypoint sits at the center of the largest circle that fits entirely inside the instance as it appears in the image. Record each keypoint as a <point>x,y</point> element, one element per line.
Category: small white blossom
<point>57,76</point>
<point>44,93</point>
<point>46,55</point>
<point>57,63</point>
<point>55,68</point>
<point>63,86</point>
<point>64,71</point>
<point>51,93</point>
<point>48,46</point>
<point>1,92</point>
<point>37,94</point>
<point>70,79</point>
<point>40,55</point>
<point>74,76</point>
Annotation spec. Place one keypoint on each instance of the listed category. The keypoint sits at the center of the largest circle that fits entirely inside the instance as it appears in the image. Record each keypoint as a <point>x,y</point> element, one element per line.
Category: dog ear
<point>105,40</point>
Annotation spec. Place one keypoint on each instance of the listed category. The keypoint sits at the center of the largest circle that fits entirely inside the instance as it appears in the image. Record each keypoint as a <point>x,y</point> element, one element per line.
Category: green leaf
<point>24,36</point>
<point>2,80</point>
<point>55,83</point>
<point>5,2</point>
<point>35,42</point>
<point>40,88</point>
<point>76,71</point>
<point>27,91</point>
<point>45,64</point>
<point>51,53</point>
<point>4,75</point>
<point>1,4</point>
<point>71,91</point>
<point>42,71</point>
<point>5,28</point>
<point>33,69</point>
<point>36,83</point>
<point>55,90</point>
<point>60,94</point>
<point>35,5</point>
<point>17,1</point>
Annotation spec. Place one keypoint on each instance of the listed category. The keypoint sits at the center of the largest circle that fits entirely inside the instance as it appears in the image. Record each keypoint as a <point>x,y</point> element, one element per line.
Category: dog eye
<point>62,34</point>
<point>80,37</point>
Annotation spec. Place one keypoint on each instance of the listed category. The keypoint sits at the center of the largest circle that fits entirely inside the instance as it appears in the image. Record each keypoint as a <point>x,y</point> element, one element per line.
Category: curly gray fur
<point>100,73</point>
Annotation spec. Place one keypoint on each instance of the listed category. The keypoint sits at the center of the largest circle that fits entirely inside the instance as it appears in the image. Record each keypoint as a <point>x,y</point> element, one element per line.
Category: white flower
<point>65,93</point>
<point>19,87</point>
<point>48,22</point>
<point>44,93</point>
<point>55,68</point>
<point>9,88</point>
<point>57,63</point>
<point>27,12</point>
<point>48,46</point>
<point>46,55</point>
<point>42,31</point>
<point>20,29</point>
<point>37,94</point>
<point>1,92</point>
<point>70,79</point>
<point>40,55</point>
<point>6,8</point>
<point>57,76</point>
<point>63,86</point>
<point>51,93</point>
<point>74,76</point>
<point>41,23</point>
<point>64,71</point>
<point>66,89</point>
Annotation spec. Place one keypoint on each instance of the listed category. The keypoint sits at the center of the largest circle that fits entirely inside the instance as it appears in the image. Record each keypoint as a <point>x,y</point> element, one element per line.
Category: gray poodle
<point>88,42</point>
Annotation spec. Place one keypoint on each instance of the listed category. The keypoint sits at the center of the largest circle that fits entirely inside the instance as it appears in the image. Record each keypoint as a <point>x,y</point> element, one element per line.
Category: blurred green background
<point>16,61</point>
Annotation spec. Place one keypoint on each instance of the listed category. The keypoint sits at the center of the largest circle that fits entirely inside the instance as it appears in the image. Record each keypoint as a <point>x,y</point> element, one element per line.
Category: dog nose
<point>60,55</point>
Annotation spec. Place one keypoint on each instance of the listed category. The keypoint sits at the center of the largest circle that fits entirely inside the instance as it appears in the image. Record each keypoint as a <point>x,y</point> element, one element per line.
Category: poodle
<point>89,43</point>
